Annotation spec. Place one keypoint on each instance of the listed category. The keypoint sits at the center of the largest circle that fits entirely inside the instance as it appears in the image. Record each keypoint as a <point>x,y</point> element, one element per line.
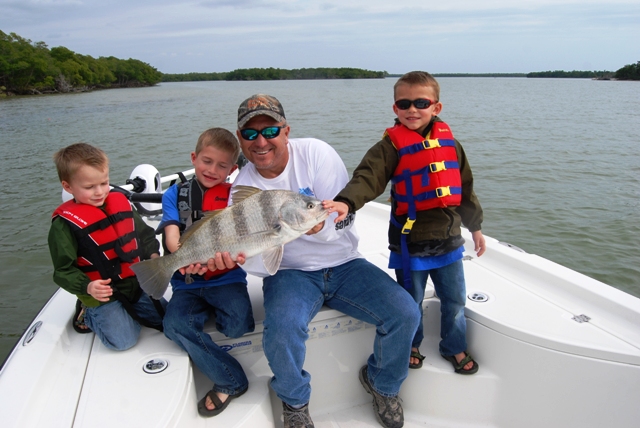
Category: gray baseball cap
<point>260,104</point>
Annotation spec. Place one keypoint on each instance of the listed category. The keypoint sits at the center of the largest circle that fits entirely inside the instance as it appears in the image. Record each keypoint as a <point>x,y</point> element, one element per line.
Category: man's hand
<point>315,229</point>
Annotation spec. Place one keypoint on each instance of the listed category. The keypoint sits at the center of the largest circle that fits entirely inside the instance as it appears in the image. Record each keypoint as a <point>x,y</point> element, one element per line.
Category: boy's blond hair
<point>221,139</point>
<point>421,78</point>
<point>69,159</point>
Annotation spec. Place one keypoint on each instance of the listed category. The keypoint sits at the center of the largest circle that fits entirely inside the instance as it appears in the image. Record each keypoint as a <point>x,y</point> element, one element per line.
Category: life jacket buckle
<point>441,192</point>
<point>430,144</point>
<point>437,166</point>
<point>406,229</point>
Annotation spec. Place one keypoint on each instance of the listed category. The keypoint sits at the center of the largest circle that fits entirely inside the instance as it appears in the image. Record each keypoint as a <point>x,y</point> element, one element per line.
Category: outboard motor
<point>145,178</point>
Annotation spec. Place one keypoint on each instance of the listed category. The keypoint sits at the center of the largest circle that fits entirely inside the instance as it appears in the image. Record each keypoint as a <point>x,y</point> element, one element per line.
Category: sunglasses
<point>269,132</point>
<point>420,103</point>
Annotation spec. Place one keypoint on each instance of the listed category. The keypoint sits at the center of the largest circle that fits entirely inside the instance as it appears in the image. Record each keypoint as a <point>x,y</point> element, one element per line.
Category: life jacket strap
<point>426,144</point>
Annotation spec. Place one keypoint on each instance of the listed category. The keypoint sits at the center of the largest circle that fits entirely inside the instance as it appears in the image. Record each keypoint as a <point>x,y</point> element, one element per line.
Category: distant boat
<point>555,348</point>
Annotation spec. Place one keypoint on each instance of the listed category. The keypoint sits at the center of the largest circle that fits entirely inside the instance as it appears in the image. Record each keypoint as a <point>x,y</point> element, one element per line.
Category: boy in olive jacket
<point>93,240</point>
<point>432,195</point>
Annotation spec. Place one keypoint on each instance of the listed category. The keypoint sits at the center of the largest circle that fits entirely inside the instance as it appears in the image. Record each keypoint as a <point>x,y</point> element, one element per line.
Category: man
<point>323,267</point>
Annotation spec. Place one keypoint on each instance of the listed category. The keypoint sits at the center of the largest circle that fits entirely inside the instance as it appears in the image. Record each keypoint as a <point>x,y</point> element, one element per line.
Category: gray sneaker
<point>388,409</point>
<point>296,418</point>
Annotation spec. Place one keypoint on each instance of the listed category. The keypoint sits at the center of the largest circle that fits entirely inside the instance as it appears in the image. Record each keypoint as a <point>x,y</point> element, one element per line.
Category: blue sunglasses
<point>269,132</point>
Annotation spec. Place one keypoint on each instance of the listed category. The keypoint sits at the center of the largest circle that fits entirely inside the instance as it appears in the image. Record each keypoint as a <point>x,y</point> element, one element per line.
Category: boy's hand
<point>224,261</point>
<point>479,243</point>
<point>221,261</point>
<point>194,269</point>
<point>339,207</point>
<point>100,290</point>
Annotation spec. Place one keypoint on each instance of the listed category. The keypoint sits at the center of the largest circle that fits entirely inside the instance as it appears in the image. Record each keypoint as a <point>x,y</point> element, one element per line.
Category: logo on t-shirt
<point>306,191</point>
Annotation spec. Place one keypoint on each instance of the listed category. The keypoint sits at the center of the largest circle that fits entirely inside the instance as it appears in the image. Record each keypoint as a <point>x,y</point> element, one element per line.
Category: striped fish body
<point>257,222</point>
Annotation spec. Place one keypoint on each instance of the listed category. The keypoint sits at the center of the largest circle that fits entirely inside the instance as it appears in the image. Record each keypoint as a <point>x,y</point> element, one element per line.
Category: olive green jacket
<point>64,253</point>
<point>370,180</point>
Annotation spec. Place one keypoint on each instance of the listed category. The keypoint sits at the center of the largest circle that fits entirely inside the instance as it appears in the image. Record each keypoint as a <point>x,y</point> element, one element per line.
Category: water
<point>555,161</point>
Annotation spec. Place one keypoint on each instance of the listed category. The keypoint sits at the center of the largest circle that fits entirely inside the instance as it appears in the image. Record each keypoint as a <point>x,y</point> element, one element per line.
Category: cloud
<point>453,36</point>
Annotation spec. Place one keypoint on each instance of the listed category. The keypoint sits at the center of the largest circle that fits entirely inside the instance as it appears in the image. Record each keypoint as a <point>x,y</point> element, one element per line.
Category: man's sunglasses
<point>420,103</point>
<point>269,132</point>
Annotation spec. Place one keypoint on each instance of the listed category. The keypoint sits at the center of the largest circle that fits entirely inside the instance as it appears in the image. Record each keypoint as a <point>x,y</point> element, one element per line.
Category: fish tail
<point>153,276</point>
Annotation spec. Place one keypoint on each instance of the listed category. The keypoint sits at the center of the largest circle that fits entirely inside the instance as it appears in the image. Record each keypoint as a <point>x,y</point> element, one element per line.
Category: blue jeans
<point>357,288</point>
<point>450,288</point>
<point>114,326</point>
<point>189,310</point>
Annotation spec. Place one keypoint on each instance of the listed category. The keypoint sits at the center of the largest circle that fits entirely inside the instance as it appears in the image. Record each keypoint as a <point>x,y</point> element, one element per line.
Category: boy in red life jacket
<point>220,293</point>
<point>432,194</point>
<point>93,240</point>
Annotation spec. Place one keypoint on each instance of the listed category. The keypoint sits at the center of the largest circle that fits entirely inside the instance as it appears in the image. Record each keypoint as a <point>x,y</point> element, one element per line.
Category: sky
<point>447,36</point>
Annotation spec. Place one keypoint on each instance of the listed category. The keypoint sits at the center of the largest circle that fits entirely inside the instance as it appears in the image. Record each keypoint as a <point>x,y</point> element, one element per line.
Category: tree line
<point>32,68</point>
<point>575,74</point>
<point>278,74</point>
<point>628,72</point>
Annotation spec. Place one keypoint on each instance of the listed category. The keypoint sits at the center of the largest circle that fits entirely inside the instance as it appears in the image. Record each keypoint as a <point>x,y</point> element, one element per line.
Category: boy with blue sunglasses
<point>432,194</point>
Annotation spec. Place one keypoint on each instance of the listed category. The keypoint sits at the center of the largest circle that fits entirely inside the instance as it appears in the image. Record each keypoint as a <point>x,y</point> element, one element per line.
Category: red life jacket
<point>192,204</point>
<point>428,173</point>
<point>107,241</point>
<point>217,197</point>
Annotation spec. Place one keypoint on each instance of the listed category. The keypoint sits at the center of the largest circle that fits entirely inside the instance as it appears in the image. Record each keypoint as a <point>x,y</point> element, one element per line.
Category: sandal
<point>419,357</point>
<point>78,319</point>
<point>459,366</point>
<point>220,406</point>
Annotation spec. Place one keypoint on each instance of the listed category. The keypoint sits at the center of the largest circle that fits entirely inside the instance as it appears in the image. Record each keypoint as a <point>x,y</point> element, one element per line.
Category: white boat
<point>555,348</point>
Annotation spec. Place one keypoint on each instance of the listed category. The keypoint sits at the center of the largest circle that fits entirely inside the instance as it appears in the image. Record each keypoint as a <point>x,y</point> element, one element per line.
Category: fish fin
<point>240,193</point>
<point>272,258</point>
<point>197,225</point>
<point>153,276</point>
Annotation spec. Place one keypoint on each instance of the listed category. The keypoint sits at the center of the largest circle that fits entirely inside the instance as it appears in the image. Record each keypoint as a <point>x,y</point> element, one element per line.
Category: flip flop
<point>420,357</point>
<point>458,366</point>
<point>78,319</point>
<point>220,406</point>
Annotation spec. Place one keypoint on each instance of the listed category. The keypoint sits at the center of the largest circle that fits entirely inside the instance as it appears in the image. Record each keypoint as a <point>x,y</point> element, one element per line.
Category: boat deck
<point>539,365</point>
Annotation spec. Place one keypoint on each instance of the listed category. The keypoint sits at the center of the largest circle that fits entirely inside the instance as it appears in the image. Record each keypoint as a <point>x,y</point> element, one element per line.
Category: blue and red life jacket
<point>428,173</point>
<point>193,202</point>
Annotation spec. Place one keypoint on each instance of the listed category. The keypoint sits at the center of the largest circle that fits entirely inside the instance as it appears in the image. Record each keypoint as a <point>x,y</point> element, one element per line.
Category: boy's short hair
<point>421,78</point>
<point>221,139</point>
<point>69,159</point>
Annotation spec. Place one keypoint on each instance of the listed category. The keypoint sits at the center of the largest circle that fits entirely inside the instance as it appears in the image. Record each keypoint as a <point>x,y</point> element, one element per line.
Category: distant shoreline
<point>471,75</point>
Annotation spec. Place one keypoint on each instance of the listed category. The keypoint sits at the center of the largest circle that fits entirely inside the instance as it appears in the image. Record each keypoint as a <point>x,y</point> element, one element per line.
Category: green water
<point>555,161</point>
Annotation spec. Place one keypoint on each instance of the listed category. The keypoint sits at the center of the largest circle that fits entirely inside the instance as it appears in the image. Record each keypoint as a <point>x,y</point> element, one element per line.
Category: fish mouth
<point>324,214</point>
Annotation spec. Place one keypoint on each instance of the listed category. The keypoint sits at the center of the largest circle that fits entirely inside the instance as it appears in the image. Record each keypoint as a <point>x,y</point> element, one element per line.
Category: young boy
<point>222,293</point>
<point>93,240</point>
<point>432,194</point>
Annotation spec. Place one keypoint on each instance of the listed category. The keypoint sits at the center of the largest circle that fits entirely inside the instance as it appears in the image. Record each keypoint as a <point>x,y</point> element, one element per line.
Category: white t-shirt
<point>315,169</point>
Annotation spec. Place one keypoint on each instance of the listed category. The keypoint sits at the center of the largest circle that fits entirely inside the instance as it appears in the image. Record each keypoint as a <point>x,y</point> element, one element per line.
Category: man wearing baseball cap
<point>321,267</point>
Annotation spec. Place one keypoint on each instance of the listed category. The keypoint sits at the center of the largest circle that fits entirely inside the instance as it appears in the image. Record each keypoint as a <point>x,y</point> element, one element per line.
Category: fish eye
<point>310,205</point>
